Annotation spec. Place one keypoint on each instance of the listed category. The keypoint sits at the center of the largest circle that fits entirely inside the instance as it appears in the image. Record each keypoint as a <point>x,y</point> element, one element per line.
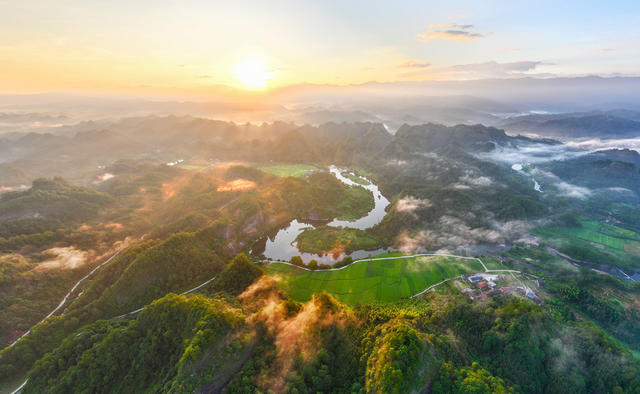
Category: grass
<point>294,170</point>
<point>602,236</point>
<point>191,167</point>
<point>494,264</point>
<point>325,238</point>
<point>371,281</point>
<point>595,242</point>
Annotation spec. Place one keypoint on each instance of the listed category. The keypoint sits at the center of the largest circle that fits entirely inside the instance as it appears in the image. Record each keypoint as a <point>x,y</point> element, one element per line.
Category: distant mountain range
<point>613,124</point>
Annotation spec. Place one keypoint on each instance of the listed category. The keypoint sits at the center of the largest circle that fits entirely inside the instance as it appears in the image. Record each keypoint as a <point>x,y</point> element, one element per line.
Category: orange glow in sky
<point>254,46</point>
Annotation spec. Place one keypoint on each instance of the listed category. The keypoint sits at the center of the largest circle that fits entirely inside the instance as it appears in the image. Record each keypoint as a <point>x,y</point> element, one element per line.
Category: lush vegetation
<point>156,352</point>
<point>595,242</point>
<point>263,341</point>
<point>293,330</point>
<point>355,178</point>
<point>378,280</point>
<point>294,170</point>
<point>40,215</point>
<point>327,239</point>
<point>129,282</point>
<point>237,275</point>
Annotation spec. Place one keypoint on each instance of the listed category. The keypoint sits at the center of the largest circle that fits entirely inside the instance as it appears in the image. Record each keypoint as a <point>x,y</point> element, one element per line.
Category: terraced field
<point>368,281</point>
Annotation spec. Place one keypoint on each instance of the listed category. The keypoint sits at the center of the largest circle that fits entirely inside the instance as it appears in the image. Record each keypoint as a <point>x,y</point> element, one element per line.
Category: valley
<point>429,227</point>
<point>319,197</point>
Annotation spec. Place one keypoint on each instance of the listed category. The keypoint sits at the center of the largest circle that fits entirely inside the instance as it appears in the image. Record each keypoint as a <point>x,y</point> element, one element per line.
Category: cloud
<point>367,68</point>
<point>451,35</point>
<point>533,153</point>
<point>413,64</point>
<point>449,31</point>
<point>491,69</point>
<point>396,162</point>
<point>600,144</point>
<point>452,232</point>
<point>496,68</point>
<point>507,50</point>
<point>409,204</point>
<point>204,76</point>
<point>449,26</point>
<point>65,258</point>
<point>563,188</point>
<point>469,180</point>
<point>621,190</point>
<point>537,153</point>
<point>606,49</point>
<point>569,190</point>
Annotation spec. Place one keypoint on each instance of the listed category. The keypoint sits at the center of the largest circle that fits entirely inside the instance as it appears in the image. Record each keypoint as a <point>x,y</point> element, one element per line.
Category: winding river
<point>282,246</point>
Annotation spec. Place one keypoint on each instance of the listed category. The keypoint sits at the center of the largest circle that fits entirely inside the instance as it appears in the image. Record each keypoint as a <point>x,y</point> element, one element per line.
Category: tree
<point>296,260</point>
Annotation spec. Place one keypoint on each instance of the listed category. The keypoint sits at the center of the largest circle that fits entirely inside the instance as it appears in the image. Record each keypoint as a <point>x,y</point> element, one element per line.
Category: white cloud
<point>452,232</point>
<point>449,31</point>
<point>409,204</point>
<point>491,69</point>
<point>413,64</point>
<point>599,144</point>
<point>564,188</point>
<point>533,153</point>
<point>451,35</point>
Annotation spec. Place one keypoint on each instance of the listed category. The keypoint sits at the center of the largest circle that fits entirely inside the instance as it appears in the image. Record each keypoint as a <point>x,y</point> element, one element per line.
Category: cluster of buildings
<point>483,286</point>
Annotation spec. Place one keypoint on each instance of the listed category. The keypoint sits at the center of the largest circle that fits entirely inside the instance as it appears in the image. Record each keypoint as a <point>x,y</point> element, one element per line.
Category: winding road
<point>17,390</point>
<point>66,297</point>
<point>184,293</point>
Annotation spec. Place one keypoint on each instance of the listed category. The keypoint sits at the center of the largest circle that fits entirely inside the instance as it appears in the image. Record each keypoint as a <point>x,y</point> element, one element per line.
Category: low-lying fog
<point>532,153</point>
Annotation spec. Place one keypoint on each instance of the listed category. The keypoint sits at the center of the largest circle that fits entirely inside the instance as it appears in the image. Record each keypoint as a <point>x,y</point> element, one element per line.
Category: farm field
<point>191,167</point>
<point>600,235</point>
<point>493,263</point>
<point>369,281</point>
<point>294,170</point>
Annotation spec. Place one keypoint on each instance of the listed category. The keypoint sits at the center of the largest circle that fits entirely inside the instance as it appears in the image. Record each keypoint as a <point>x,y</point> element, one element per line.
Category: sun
<point>252,72</point>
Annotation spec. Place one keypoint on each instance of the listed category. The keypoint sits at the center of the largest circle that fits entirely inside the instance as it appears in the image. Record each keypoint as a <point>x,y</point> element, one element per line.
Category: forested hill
<point>263,341</point>
<point>52,199</point>
<point>178,307</point>
<point>70,153</point>
<point>602,125</point>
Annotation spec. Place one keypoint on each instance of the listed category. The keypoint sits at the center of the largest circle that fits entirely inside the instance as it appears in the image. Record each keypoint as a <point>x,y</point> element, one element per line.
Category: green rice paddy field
<point>368,281</point>
<point>610,238</point>
<point>295,170</point>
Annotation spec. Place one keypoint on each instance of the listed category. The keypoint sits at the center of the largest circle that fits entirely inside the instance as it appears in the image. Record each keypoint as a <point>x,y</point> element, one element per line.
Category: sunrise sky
<point>138,46</point>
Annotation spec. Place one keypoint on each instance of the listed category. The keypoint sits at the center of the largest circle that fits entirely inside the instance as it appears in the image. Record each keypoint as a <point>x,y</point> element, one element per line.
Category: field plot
<point>295,170</point>
<point>194,165</point>
<point>373,280</point>
<point>493,263</point>
<point>599,235</point>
